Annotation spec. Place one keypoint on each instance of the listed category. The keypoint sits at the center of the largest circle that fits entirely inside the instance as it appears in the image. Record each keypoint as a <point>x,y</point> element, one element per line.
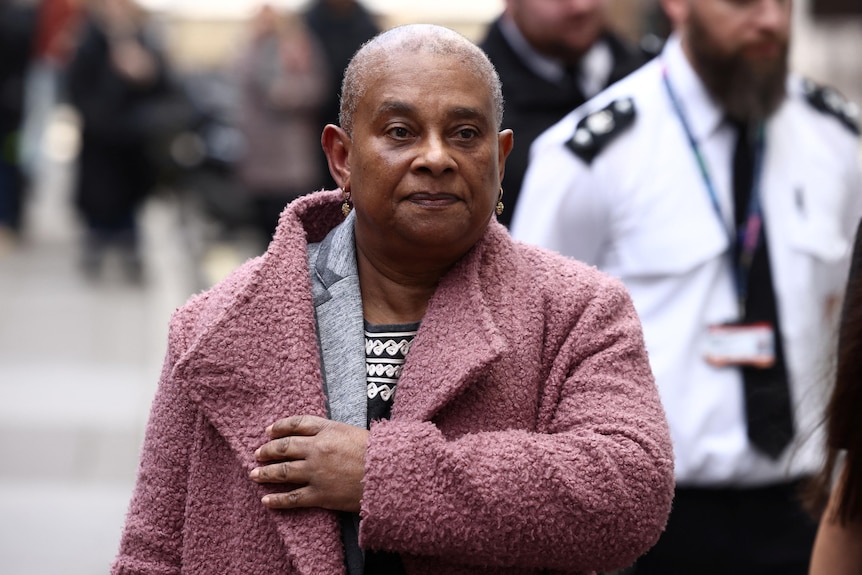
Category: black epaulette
<point>597,129</point>
<point>830,101</point>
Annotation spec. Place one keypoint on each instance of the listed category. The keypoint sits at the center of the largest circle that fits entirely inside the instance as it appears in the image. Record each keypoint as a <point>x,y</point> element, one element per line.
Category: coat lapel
<point>338,303</point>
<point>457,339</point>
<point>259,361</point>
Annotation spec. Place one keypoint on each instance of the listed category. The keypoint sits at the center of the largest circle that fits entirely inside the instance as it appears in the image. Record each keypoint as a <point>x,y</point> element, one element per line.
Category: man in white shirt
<point>724,192</point>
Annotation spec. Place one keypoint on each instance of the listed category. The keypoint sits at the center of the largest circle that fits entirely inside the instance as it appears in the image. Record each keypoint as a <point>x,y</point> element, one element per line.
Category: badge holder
<point>740,344</point>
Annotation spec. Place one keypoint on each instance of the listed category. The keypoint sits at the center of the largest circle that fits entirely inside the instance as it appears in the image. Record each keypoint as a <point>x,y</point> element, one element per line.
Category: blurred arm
<point>837,548</point>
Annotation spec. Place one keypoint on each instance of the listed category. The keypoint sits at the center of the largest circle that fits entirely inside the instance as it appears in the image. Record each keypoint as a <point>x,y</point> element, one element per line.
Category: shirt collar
<point>702,113</point>
<point>597,65</point>
<point>548,68</point>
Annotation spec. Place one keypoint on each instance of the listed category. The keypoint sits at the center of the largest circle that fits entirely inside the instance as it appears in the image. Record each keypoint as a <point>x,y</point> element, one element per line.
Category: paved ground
<point>79,362</point>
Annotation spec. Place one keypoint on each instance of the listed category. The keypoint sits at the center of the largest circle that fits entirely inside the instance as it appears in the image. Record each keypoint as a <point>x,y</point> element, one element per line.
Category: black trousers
<point>761,531</point>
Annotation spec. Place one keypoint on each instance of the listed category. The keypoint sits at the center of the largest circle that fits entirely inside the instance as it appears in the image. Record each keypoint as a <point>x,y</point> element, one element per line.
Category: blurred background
<point>84,307</point>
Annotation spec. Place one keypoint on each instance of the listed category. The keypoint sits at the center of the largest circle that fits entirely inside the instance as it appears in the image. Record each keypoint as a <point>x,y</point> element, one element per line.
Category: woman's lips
<point>433,199</point>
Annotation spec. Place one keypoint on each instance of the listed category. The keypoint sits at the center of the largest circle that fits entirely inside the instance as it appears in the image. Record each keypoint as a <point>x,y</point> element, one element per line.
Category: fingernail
<point>265,499</point>
<point>254,473</point>
<point>257,452</point>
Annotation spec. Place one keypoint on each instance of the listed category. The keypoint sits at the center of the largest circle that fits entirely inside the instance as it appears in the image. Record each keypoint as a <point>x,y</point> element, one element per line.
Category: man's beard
<point>745,91</point>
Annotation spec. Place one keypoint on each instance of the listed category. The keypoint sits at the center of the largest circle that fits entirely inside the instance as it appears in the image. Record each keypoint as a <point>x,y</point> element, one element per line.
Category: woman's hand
<point>322,460</point>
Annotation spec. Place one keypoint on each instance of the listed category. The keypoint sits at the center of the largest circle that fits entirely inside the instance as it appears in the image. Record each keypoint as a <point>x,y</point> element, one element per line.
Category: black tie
<point>767,394</point>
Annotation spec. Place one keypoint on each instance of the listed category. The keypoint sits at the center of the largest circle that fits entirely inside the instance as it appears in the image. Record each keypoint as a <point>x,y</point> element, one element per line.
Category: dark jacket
<point>17,23</point>
<point>115,166</point>
<point>533,104</point>
<point>341,33</point>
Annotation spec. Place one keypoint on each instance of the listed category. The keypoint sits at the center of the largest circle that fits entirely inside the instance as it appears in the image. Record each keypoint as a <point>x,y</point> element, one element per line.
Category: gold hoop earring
<point>345,204</point>
<point>500,207</point>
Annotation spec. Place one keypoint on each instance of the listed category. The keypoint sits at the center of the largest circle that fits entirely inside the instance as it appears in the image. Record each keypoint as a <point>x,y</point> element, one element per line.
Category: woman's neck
<point>392,295</point>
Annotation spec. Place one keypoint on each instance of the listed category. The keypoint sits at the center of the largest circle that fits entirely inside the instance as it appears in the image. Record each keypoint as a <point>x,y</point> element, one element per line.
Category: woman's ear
<point>336,144</point>
<point>505,142</point>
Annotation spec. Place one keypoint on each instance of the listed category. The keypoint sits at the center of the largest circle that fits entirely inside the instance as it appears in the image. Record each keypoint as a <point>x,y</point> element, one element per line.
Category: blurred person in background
<point>396,386</point>
<point>283,80</point>
<point>551,55</point>
<point>117,72</point>
<point>724,192</point>
<point>838,547</point>
<point>55,38</point>
<point>17,27</point>
<point>341,26</point>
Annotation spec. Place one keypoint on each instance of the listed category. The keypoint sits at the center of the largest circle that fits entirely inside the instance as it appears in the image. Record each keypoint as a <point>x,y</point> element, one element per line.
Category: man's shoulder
<point>493,37</point>
<point>518,77</point>
<point>826,105</point>
<point>627,56</point>
<point>498,49</point>
<point>613,115</point>
<point>598,129</point>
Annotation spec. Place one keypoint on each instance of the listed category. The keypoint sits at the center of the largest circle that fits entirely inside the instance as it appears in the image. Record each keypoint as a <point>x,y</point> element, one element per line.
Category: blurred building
<point>827,38</point>
<point>828,32</point>
<point>204,34</point>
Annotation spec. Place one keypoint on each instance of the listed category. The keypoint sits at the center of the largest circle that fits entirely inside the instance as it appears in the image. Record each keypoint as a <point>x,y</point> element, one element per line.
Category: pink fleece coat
<point>527,433</point>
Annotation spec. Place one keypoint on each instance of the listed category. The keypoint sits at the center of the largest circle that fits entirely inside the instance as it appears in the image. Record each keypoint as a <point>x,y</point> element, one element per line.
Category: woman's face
<point>426,160</point>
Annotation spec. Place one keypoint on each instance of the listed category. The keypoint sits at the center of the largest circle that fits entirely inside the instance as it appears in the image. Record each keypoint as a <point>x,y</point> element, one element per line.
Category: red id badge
<point>740,344</point>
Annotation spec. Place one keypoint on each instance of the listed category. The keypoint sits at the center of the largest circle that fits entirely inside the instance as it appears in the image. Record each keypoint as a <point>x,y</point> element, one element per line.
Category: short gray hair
<point>413,38</point>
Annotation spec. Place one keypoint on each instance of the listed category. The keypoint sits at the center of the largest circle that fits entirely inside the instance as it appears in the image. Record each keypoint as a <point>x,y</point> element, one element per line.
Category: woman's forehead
<point>426,78</point>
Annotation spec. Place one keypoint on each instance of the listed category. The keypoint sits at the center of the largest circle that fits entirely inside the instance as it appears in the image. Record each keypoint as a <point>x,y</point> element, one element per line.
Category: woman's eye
<point>467,133</point>
<point>399,133</point>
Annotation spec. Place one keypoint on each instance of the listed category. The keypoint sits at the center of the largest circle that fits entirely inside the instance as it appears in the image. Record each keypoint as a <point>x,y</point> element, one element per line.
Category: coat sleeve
<point>590,489</point>
<point>152,538</point>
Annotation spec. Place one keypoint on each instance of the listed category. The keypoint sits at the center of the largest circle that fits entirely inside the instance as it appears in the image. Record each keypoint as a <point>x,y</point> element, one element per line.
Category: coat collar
<point>256,359</point>
<point>458,337</point>
<point>338,307</point>
<point>256,356</point>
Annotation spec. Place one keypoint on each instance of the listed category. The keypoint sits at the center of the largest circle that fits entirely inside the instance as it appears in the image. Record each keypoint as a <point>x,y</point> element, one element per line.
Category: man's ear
<point>336,144</point>
<point>676,11</point>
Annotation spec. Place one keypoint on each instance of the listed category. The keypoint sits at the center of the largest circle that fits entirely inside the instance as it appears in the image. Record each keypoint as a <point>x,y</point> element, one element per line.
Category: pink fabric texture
<point>527,432</point>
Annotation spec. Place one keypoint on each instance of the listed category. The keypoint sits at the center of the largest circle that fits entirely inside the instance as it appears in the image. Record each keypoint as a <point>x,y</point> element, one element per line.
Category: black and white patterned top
<point>386,348</point>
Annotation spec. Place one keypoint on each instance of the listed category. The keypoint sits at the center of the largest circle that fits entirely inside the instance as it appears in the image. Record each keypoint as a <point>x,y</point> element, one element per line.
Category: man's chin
<point>761,66</point>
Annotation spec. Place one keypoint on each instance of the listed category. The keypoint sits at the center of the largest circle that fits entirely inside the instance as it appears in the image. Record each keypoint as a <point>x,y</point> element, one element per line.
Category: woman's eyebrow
<point>467,113</point>
<point>398,107</point>
<point>394,107</point>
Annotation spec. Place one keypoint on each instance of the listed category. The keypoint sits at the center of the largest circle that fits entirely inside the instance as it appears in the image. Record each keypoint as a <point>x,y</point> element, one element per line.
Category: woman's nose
<point>434,154</point>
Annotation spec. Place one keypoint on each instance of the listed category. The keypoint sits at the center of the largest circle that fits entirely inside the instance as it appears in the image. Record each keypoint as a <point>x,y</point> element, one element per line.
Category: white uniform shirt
<point>641,211</point>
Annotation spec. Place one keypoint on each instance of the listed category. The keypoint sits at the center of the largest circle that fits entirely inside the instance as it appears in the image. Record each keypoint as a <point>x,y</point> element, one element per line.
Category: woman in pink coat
<point>397,386</point>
